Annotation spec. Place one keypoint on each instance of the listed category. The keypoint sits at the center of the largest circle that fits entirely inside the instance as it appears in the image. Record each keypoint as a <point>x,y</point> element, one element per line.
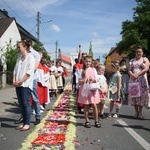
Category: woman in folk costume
<point>46,79</point>
<point>52,79</point>
<point>58,75</point>
<point>89,74</point>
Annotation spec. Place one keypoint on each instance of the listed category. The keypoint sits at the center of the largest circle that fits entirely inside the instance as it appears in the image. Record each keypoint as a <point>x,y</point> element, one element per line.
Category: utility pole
<point>99,59</point>
<point>79,47</point>
<point>38,26</point>
<point>59,53</point>
<point>56,51</point>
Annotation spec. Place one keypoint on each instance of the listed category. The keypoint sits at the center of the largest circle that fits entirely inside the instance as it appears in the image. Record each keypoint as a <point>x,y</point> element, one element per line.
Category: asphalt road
<point>123,133</point>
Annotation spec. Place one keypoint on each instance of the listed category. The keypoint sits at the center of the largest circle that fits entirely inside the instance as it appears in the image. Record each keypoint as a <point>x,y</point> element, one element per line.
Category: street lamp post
<point>38,25</point>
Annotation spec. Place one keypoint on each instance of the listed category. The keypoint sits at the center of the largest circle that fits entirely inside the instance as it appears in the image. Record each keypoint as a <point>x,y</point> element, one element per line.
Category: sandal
<point>97,124</point>
<point>87,125</point>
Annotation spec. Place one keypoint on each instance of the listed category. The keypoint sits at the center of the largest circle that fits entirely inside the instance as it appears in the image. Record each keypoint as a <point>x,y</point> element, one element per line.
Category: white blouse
<point>26,66</point>
<point>59,69</point>
<point>53,69</point>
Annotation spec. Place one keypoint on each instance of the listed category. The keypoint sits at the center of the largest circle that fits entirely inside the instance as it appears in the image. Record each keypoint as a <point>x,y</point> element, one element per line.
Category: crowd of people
<point>128,82</point>
<point>34,78</point>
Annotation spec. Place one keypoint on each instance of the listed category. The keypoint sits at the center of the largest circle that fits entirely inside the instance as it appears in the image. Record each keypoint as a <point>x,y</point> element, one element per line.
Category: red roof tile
<point>66,59</point>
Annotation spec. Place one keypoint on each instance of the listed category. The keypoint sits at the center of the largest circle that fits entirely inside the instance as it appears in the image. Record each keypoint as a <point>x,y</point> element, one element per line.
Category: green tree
<point>136,32</point>
<point>10,57</point>
<point>90,50</point>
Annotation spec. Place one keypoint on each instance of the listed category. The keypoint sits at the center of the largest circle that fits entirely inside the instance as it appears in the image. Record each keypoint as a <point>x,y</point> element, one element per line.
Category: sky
<point>73,22</point>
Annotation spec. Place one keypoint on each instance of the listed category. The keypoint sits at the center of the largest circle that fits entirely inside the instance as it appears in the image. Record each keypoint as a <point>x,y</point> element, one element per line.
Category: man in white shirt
<point>34,93</point>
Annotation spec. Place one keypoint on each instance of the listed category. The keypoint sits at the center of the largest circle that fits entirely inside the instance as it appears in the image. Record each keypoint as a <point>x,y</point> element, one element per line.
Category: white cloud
<point>98,22</point>
<point>100,45</point>
<point>95,34</point>
<point>55,28</point>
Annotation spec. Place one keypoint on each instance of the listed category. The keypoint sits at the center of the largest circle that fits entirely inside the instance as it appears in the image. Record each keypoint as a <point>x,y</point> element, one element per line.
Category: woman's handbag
<point>134,90</point>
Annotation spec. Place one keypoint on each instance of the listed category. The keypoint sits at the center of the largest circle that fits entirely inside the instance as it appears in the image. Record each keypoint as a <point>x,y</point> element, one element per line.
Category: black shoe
<point>16,104</point>
<point>102,116</point>
<point>19,121</point>
<point>37,121</point>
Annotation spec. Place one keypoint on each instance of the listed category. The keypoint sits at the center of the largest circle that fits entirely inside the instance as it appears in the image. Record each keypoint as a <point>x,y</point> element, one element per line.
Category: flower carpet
<point>57,130</point>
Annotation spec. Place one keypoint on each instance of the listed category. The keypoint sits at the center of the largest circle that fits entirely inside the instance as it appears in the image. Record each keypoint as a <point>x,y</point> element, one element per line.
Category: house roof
<point>4,14</point>
<point>65,58</point>
<point>112,50</point>
<point>23,33</point>
<point>4,24</point>
<point>116,56</point>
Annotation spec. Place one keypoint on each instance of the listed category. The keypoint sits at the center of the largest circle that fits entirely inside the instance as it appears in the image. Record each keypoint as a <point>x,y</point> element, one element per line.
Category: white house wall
<point>11,34</point>
<point>66,65</point>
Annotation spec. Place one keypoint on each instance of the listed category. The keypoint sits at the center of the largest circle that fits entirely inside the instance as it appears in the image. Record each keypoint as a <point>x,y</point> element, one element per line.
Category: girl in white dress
<point>52,79</point>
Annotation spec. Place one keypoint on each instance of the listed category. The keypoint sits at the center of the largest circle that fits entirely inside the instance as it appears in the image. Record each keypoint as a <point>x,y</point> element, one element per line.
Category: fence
<point>6,78</point>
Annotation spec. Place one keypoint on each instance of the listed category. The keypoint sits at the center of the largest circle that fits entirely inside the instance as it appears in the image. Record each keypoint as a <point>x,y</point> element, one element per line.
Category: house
<point>10,33</point>
<point>65,62</point>
<point>22,31</point>
<point>114,56</point>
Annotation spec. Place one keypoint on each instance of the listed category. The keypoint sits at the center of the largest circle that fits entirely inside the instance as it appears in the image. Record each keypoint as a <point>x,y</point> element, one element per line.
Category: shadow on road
<point>132,126</point>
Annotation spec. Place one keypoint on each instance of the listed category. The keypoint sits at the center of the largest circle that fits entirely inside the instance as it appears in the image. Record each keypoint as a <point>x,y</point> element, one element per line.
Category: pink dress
<point>94,96</point>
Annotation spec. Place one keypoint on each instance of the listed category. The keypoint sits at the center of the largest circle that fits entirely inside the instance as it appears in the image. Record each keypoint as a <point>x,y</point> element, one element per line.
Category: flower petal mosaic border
<point>57,130</point>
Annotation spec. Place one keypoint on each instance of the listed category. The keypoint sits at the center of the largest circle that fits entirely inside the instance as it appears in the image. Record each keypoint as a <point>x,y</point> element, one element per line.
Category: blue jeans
<point>23,94</point>
<point>35,98</point>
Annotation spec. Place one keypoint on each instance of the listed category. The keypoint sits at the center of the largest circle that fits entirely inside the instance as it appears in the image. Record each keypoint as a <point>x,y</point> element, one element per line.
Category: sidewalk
<point>7,97</point>
<point>11,139</point>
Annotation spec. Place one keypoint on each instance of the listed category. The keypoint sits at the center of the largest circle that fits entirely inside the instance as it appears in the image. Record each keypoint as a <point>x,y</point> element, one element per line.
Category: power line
<point>15,13</point>
<point>29,5</point>
<point>35,6</point>
<point>26,6</point>
<point>43,24</point>
<point>33,28</point>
